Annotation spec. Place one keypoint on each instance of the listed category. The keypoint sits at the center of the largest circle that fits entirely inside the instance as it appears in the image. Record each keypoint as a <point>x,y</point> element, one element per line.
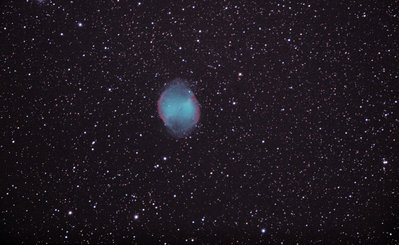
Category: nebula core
<point>179,109</point>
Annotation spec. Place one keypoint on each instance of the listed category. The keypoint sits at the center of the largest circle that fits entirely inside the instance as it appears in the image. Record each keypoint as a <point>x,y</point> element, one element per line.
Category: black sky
<point>297,140</point>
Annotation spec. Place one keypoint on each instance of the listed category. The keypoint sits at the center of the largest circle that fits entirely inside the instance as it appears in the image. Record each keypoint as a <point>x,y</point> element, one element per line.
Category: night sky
<point>297,139</point>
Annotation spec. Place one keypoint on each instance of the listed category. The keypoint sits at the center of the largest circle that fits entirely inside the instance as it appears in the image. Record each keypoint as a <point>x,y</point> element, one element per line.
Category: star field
<point>296,143</point>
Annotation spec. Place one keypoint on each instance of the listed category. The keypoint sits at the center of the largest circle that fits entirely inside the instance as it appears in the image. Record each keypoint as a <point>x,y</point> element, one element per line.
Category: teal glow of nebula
<point>179,109</point>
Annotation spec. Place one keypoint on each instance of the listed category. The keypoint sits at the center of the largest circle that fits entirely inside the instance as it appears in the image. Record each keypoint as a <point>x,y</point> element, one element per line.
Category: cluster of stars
<point>296,142</point>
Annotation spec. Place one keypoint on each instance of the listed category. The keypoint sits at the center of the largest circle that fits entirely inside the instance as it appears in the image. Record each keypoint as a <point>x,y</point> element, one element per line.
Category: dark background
<point>297,140</point>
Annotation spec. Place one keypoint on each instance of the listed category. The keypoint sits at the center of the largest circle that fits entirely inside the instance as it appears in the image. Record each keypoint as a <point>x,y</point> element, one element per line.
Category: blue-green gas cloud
<point>179,109</point>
